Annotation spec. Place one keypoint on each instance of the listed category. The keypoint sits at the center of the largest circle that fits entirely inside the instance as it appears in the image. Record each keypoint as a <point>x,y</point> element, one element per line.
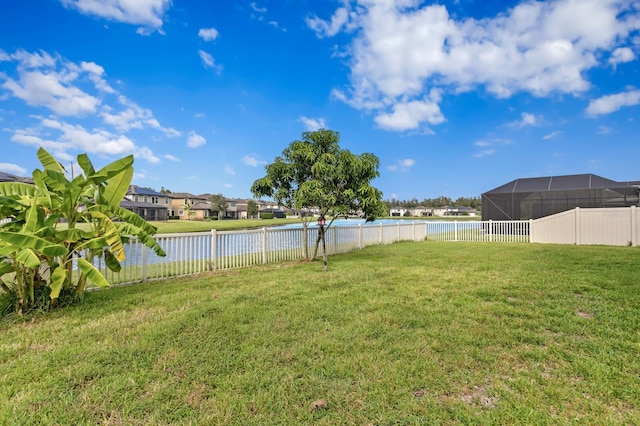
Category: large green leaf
<point>6,267</point>
<point>111,170</point>
<point>48,162</point>
<point>132,218</point>
<point>58,279</point>
<point>110,233</point>
<point>116,188</point>
<point>86,165</point>
<point>28,258</point>
<point>20,240</point>
<point>17,189</point>
<point>112,263</point>
<point>144,238</point>
<point>92,273</point>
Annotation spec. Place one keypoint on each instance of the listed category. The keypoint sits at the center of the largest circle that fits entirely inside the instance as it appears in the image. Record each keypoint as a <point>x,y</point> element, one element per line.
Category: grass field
<point>176,226</point>
<point>405,334</point>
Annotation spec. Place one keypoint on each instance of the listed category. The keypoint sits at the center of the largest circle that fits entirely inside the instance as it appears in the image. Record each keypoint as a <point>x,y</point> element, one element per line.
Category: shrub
<point>266,215</point>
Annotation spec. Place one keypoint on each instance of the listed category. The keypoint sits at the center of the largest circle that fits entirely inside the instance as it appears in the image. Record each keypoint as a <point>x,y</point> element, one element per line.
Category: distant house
<point>189,206</point>
<point>397,211</point>
<point>421,211</point>
<point>146,203</point>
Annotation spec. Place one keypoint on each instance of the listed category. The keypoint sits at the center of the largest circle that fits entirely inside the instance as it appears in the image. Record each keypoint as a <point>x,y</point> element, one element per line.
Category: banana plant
<point>59,226</point>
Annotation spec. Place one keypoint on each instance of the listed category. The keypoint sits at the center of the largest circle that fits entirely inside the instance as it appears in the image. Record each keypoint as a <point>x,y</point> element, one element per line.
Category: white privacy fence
<point>193,253</point>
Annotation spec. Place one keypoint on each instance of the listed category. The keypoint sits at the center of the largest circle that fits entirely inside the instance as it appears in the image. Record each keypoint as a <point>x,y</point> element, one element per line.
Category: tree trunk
<point>324,250</point>
<point>305,241</point>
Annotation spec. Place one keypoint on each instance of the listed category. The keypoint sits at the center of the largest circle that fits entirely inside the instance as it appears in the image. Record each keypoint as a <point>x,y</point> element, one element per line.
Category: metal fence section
<point>197,252</point>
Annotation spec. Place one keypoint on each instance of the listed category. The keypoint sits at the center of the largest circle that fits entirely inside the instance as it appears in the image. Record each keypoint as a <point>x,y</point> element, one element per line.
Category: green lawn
<point>405,334</point>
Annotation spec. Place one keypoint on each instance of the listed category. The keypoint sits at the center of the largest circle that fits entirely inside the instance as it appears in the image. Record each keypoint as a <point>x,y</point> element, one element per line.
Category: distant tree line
<point>442,201</point>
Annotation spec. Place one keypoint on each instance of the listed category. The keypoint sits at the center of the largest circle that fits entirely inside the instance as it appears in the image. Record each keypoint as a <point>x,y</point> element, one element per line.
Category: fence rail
<point>197,252</point>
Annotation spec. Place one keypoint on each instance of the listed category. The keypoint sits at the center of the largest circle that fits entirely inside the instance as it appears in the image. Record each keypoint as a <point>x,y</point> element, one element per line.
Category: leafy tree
<point>219,204</point>
<point>252,208</point>
<point>42,246</point>
<point>315,172</point>
<point>189,211</point>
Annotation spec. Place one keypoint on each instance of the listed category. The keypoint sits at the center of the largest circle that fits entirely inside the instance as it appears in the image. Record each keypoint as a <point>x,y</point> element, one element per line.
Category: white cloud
<point>611,103</point>
<point>134,117</point>
<point>148,13</point>
<point>63,138</point>
<point>171,158</point>
<point>331,27</point>
<point>207,59</point>
<point>407,162</point>
<point>526,119</point>
<point>409,115</point>
<point>253,161</point>
<point>401,50</point>
<point>209,62</point>
<point>45,81</point>
<point>12,169</point>
<point>484,153</point>
<point>195,140</point>
<point>208,34</point>
<point>552,135</point>
<point>487,147</point>
<point>403,165</point>
<point>604,130</point>
<point>621,55</point>
<point>229,170</point>
<point>312,124</point>
<point>258,9</point>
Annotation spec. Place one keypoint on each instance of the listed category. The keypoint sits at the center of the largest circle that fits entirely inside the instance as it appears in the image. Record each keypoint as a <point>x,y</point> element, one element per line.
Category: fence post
<point>530,230</point>
<point>490,230</point>
<point>144,260</point>
<point>360,236</point>
<point>380,233</point>
<point>634,227</point>
<point>577,228</point>
<point>455,233</point>
<point>214,235</point>
<point>264,245</point>
<point>398,232</point>
<point>335,239</point>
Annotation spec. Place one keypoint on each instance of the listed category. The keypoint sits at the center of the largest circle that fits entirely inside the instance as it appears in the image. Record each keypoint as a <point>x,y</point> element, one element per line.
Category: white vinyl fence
<point>193,253</point>
<point>618,226</point>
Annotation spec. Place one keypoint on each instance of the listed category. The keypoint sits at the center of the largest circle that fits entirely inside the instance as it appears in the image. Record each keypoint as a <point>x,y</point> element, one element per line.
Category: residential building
<point>146,203</point>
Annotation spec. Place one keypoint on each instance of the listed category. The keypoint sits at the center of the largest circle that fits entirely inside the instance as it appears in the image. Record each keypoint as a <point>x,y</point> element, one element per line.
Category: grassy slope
<point>175,226</point>
<point>412,333</point>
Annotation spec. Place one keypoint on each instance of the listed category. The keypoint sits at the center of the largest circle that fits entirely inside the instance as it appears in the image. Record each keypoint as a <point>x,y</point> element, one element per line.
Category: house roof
<point>127,204</point>
<point>6,177</point>
<point>557,183</point>
<point>201,205</point>
<point>136,190</point>
<point>184,195</point>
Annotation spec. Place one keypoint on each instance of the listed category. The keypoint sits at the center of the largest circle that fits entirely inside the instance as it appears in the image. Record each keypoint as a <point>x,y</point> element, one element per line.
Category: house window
<point>154,200</point>
<point>180,212</point>
<point>166,200</point>
<point>186,201</point>
<point>144,199</point>
<point>135,198</point>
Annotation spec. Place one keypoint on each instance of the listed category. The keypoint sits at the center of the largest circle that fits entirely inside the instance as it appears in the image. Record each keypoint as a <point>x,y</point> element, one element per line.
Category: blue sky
<point>455,97</point>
